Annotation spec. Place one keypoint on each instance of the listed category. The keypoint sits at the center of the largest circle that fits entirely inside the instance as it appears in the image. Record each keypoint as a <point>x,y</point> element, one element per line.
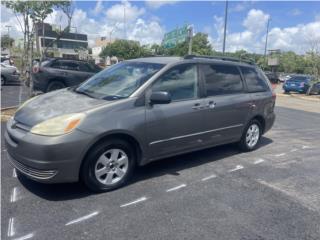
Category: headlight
<point>58,125</point>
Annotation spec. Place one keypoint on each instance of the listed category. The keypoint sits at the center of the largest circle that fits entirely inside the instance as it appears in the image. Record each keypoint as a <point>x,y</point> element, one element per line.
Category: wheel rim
<point>252,136</point>
<point>111,166</point>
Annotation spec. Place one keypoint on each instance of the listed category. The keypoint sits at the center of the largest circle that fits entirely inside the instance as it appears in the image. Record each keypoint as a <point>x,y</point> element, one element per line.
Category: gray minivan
<point>136,112</point>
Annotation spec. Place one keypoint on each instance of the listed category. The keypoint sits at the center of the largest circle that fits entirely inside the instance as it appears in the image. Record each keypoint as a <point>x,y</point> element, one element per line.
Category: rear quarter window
<point>256,82</point>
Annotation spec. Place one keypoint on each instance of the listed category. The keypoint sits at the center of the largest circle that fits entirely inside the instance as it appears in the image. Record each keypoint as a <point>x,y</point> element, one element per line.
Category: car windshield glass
<point>119,81</point>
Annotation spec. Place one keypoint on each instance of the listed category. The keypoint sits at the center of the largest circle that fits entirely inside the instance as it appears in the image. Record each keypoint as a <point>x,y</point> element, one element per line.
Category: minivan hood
<point>54,104</point>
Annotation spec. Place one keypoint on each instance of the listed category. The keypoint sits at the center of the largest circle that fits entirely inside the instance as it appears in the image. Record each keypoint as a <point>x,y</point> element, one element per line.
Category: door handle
<point>252,105</point>
<point>196,106</point>
<point>211,104</point>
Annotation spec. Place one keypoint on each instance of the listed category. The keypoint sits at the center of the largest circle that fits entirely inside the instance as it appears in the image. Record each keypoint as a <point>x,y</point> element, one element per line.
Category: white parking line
<point>11,230</point>
<point>14,193</point>
<point>28,236</point>
<point>260,160</point>
<point>176,188</point>
<point>82,218</point>
<point>134,202</point>
<point>293,150</point>
<point>238,167</point>
<point>209,177</point>
<point>306,147</point>
<point>280,154</point>
<point>14,173</point>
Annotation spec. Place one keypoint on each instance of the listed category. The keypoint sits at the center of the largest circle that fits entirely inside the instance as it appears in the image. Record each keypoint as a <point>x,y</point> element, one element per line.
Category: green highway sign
<point>171,39</point>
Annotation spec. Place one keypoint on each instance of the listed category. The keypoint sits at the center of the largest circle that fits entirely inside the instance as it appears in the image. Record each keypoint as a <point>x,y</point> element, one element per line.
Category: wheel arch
<point>56,80</point>
<point>116,135</point>
<point>261,120</point>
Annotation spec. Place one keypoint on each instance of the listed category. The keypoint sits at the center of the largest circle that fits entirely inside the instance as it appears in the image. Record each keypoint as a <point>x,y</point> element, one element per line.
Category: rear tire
<point>251,136</point>
<point>108,166</point>
<point>55,85</point>
<point>3,81</point>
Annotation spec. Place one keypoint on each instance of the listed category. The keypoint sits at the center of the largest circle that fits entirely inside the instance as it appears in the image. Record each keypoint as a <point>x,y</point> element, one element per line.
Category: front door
<point>177,126</point>
<point>227,106</point>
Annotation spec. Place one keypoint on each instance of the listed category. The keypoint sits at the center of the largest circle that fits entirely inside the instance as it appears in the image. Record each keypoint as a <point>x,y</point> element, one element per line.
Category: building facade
<point>68,45</point>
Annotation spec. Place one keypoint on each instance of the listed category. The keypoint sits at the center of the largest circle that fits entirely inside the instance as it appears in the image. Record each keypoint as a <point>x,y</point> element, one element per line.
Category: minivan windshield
<point>118,81</point>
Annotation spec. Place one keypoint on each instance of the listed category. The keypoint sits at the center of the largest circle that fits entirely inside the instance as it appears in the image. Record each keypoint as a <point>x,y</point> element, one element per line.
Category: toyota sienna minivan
<point>136,112</point>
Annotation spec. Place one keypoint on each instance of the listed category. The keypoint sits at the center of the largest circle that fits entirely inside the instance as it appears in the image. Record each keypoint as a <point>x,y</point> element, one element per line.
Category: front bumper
<point>47,159</point>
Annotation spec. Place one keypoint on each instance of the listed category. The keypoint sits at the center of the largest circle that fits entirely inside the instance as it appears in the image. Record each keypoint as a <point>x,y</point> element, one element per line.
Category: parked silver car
<point>136,112</point>
<point>9,74</point>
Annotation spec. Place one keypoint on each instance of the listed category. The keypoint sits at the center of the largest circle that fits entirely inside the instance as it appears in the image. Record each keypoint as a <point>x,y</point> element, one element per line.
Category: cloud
<point>240,6</point>
<point>252,38</point>
<point>295,12</point>
<point>8,18</point>
<point>256,21</point>
<point>98,8</point>
<point>147,32</point>
<point>117,12</point>
<point>157,4</point>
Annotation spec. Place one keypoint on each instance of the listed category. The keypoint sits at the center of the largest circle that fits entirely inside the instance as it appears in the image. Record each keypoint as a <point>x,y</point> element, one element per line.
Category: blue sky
<point>292,25</point>
<point>199,13</point>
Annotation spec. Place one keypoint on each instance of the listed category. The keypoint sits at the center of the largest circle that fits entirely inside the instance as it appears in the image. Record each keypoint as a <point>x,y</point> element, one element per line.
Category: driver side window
<point>180,82</point>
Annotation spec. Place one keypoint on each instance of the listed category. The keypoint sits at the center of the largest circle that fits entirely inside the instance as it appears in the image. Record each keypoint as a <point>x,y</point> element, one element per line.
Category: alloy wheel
<point>111,166</point>
<point>252,135</point>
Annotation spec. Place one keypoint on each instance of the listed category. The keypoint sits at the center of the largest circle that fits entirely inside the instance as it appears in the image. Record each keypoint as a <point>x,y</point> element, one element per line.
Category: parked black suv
<point>56,73</point>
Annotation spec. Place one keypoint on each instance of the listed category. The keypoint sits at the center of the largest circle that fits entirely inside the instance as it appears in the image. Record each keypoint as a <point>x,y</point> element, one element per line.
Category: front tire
<point>108,166</point>
<point>251,136</point>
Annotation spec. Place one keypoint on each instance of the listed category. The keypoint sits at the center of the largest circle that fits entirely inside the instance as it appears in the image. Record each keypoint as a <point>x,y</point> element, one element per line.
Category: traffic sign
<point>179,35</point>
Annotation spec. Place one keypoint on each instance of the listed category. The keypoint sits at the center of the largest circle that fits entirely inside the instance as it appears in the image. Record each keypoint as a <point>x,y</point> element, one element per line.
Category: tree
<point>6,41</point>
<point>200,46</point>
<point>125,49</point>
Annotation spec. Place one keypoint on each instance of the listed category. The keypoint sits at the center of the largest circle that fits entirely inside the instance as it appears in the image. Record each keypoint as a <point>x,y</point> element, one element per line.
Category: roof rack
<point>224,58</point>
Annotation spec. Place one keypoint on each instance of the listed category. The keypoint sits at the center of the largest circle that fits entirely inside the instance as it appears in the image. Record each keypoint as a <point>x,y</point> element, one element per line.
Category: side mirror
<point>160,98</point>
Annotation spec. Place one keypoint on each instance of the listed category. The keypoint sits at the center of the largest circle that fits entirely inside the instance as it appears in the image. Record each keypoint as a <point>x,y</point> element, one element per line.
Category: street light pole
<point>225,28</point>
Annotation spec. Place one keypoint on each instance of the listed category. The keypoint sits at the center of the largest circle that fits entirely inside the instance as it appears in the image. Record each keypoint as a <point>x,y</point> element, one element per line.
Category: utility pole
<point>8,27</point>
<point>124,21</point>
<point>266,43</point>
<point>190,33</point>
<point>225,28</point>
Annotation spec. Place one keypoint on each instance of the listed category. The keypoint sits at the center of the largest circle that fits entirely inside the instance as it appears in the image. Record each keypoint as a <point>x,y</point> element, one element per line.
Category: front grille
<point>32,172</point>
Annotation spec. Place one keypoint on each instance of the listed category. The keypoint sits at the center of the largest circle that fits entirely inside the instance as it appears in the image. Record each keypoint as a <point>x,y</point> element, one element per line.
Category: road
<point>13,95</point>
<point>218,193</point>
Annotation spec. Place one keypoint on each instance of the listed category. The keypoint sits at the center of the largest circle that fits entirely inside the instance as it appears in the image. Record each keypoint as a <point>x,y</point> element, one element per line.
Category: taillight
<point>35,69</point>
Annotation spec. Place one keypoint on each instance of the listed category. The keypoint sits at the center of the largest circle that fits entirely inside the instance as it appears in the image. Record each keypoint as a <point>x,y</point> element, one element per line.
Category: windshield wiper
<point>113,97</point>
<point>84,93</point>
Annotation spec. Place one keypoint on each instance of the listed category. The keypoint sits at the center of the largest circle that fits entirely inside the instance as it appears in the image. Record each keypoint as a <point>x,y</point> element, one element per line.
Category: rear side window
<point>222,79</point>
<point>254,79</point>
<point>65,65</point>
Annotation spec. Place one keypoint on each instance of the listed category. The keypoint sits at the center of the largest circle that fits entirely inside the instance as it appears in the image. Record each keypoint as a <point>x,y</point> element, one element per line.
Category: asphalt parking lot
<point>218,193</point>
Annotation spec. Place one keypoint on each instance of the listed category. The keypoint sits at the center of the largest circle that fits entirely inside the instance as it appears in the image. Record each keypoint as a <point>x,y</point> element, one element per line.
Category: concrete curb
<point>8,108</point>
